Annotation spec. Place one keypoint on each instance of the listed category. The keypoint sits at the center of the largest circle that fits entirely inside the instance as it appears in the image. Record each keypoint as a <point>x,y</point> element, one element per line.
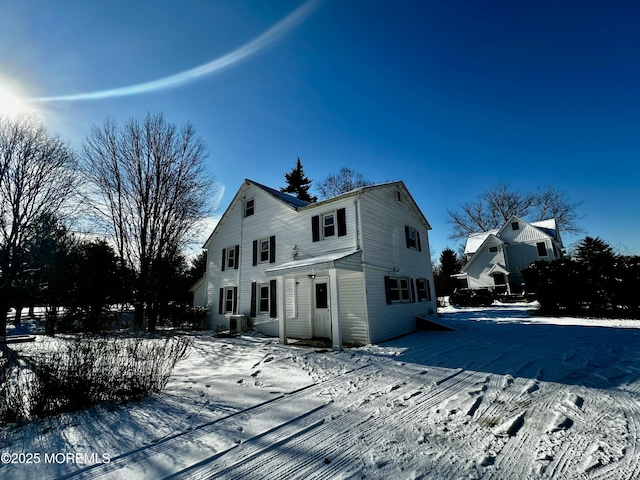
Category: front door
<point>322,309</point>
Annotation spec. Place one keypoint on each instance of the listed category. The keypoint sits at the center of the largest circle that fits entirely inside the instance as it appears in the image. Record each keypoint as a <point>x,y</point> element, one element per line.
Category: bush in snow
<point>72,373</point>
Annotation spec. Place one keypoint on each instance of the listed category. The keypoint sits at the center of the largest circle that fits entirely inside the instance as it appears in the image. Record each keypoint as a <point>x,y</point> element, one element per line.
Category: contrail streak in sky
<point>251,48</point>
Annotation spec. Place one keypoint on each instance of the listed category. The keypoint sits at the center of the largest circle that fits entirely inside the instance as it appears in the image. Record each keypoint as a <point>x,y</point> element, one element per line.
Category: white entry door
<point>321,308</point>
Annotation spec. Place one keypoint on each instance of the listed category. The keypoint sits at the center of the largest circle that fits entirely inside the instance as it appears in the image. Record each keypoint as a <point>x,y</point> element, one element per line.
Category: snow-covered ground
<point>506,396</point>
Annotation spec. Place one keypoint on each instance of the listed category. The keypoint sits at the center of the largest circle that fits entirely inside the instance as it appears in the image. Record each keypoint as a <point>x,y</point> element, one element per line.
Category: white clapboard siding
<point>353,319</point>
<point>375,221</point>
<point>386,253</point>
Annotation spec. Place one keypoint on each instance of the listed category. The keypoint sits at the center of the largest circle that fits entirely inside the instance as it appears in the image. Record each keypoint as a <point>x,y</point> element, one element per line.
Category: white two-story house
<point>355,269</point>
<point>496,258</point>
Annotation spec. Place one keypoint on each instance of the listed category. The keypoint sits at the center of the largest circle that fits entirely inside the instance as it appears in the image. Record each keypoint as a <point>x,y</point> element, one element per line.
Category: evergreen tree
<point>449,265</point>
<point>298,184</point>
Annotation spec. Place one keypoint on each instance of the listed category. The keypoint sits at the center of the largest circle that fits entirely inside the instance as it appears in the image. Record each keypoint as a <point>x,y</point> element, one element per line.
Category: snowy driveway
<point>505,396</point>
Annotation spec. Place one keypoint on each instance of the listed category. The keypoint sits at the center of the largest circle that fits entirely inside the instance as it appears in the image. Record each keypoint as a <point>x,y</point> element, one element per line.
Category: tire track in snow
<point>628,467</point>
<point>349,431</point>
<point>234,421</point>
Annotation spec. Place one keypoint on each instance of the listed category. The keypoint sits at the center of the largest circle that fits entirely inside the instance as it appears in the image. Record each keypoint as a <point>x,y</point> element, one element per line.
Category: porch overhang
<point>327,265</point>
<point>497,268</point>
<point>331,261</point>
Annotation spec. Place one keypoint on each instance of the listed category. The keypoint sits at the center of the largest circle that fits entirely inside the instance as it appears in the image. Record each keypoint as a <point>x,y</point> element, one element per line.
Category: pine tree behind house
<point>298,184</point>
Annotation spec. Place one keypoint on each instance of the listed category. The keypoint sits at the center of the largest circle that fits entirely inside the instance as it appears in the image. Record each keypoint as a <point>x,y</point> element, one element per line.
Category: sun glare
<point>10,103</point>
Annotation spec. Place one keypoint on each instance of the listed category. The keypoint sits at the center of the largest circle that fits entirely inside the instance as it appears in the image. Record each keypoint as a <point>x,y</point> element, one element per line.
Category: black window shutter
<point>221,302</point>
<point>406,236</point>
<point>315,228</point>
<point>418,240</point>
<point>342,222</point>
<point>428,286</point>
<point>235,299</point>
<point>255,252</point>
<point>254,287</point>
<point>413,291</point>
<point>387,288</point>
<point>224,259</point>
<point>237,261</point>
<point>272,249</point>
<point>273,300</point>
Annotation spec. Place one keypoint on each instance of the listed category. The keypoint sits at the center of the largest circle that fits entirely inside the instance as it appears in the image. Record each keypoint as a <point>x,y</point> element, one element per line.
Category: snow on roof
<point>476,239</point>
<point>285,197</point>
<point>319,262</point>
<point>549,226</point>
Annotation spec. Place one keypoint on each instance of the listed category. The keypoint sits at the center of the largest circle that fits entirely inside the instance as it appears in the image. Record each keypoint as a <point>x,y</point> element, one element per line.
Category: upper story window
<point>412,237</point>
<point>493,249</point>
<point>230,258</point>
<point>515,226</point>
<point>398,196</point>
<point>249,207</point>
<point>264,250</point>
<point>328,224</point>
<point>542,249</point>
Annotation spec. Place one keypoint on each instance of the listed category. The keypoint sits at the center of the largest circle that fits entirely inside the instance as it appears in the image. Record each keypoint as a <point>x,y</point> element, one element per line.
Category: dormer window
<point>515,226</point>
<point>249,207</point>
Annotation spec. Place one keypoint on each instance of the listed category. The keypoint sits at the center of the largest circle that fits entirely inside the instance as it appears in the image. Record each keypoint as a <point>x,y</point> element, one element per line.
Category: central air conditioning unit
<point>238,324</point>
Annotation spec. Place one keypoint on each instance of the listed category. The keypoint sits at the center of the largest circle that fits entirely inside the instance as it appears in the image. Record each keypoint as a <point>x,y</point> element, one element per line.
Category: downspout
<point>241,254</point>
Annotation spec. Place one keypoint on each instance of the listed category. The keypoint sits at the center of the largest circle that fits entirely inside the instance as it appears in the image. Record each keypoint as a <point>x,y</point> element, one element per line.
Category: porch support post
<point>336,334</point>
<point>282,314</point>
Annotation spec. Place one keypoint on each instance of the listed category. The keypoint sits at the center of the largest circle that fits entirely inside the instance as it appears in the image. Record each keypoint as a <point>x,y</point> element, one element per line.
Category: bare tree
<point>345,180</point>
<point>494,207</point>
<point>37,177</point>
<point>150,187</point>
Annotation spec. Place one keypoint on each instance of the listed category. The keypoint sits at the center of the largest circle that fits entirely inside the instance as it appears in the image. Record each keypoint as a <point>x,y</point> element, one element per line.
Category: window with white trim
<point>264,297</point>
<point>328,225</point>
<point>399,290</point>
<point>264,250</point>
<point>515,226</point>
<point>412,237</point>
<point>231,258</point>
<point>493,249</point>
<point>228,300</point>
<point>424,289</point>
<point>249,207</point>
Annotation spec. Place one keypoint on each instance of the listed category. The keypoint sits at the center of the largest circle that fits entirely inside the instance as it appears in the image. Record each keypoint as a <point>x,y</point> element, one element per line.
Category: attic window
<point>493,249</point>
<point>249,207</point>
<point>515,226</point>
<point>399,196</point>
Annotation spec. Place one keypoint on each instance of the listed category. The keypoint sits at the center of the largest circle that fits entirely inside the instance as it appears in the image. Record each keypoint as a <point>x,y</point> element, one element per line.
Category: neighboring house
<point>496,258</point>
<point>199,290</point>
<point>355,269</point>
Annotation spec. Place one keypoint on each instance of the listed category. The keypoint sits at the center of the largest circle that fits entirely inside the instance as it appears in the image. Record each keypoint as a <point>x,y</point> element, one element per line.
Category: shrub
<point>72,373</point>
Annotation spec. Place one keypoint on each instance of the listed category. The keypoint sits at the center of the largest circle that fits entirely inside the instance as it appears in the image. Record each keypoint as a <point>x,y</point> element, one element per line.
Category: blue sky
<point>449,96</point>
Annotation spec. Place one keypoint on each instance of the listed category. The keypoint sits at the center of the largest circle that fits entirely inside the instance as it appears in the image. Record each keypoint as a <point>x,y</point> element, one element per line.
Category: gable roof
<point>475,240</point>
<point>549,226</point>
<point>397,183</point>
<point>298,204</point>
